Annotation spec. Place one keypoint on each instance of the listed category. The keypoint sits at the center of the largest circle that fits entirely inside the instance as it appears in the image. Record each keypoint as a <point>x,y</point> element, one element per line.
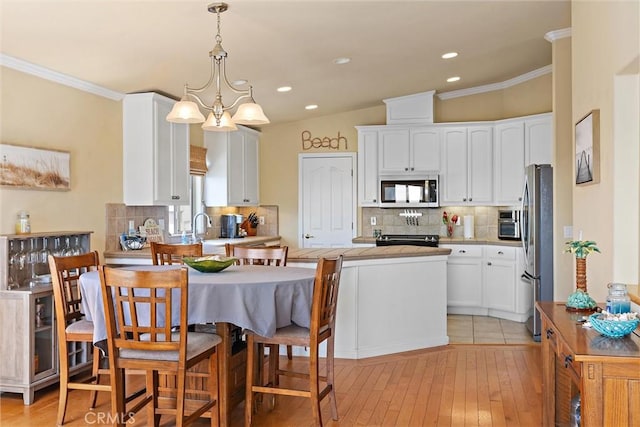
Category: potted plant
<point>580,299</point>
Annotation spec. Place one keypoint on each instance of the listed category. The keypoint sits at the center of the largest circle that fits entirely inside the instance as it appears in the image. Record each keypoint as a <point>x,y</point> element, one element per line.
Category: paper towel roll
<point>468,227</point>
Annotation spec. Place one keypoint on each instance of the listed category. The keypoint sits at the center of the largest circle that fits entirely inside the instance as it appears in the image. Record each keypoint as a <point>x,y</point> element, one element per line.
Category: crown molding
<point>552,36</point>
<point>496,86</point>
<point>54,76</point>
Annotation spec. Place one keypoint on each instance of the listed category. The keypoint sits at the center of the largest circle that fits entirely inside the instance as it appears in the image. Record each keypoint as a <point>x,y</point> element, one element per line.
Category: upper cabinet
<point>232,178</point>
<point>155,152</point>
<point>467,175</point>
<point>408,151</point>
<point>519,143</point>
<point>368,188</point>
<point>479,163</point>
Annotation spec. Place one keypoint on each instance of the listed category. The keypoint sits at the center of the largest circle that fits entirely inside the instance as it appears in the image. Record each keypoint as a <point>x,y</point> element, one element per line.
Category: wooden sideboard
<point>605,372</point>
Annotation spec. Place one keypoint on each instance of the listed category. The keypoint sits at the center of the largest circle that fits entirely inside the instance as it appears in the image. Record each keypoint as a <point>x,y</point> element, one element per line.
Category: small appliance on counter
<point>230,226</point>
<point>509,224</point>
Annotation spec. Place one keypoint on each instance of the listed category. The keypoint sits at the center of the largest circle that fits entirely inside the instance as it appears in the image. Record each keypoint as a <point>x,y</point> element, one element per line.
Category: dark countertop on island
<point>313,254</point>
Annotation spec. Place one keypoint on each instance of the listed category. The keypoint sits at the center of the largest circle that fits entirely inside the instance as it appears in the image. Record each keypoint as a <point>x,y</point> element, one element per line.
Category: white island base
<point>389,305</point>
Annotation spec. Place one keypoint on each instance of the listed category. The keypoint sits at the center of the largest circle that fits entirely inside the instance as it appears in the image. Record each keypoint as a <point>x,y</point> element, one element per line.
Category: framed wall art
<point>587,153</point>
<point>34,168</point>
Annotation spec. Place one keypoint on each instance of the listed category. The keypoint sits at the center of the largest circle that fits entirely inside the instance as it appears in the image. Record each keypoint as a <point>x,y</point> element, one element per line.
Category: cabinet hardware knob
<point>549,333</point>
<point>567,361</point>
<point>470,199</point>
<point>411,168</point>
<point>500,253</point>
<point>488,263</point>
<point>308,236</point>
<point>175,197</point>
<point>374,200</point>
<point>462,251</point>
<point>406,169</point>
<point>464,200</point>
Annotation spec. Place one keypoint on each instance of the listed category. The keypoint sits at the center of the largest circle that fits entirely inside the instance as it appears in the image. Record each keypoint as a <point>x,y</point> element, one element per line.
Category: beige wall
<point>530,97</point>
<point>605,41</point>
<point>564,270</point>
<point>39,113</point>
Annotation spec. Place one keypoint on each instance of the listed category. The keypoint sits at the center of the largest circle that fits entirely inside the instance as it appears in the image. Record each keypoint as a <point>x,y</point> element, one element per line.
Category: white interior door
<point>327,200</point>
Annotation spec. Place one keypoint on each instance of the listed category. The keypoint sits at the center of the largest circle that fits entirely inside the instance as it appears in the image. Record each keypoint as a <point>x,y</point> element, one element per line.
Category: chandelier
<point>219,118</point>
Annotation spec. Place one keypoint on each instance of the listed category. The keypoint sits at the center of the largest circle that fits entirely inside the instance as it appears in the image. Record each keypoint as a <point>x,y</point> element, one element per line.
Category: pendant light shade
<point>226,124</point>
<point>185,112</point>
<point>250,113</point>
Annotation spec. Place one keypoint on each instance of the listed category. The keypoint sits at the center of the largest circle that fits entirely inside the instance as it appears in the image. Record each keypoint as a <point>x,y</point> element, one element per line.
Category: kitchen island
<point>391,299</point>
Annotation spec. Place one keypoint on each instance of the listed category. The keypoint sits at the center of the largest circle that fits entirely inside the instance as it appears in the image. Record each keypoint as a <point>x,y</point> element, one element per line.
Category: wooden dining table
<point>258,298</point>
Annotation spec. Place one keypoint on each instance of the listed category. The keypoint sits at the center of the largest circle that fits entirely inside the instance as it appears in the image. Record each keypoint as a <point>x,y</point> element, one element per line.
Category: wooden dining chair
<point>71,326</point>
<point>168,254</point>
<point>322,324</point>
<point>141,307</point>
<point>260,255</point>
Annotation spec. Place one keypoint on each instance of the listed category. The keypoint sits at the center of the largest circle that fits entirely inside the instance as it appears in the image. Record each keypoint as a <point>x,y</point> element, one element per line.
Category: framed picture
<point>588,149</point>
<point>34,168</point>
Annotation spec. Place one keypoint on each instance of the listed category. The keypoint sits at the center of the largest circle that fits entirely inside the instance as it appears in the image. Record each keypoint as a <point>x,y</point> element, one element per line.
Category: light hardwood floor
<point>455,385</point>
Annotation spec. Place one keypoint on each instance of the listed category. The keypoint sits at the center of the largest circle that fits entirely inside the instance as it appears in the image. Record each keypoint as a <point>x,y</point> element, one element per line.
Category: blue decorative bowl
<point>613,328</point>
<point>209,264</point>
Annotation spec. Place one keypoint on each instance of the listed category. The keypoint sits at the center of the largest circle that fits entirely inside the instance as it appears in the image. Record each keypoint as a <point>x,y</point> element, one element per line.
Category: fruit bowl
<point>209,264</point>
<point>613,328</point>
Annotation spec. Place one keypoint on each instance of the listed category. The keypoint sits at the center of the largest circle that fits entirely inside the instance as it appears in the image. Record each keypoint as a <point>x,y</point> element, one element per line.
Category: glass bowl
<point>209,264</point>
<point>613,328</point>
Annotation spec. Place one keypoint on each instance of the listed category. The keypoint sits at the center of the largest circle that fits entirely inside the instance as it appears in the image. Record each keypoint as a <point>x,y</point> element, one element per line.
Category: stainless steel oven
<point>509,224</point>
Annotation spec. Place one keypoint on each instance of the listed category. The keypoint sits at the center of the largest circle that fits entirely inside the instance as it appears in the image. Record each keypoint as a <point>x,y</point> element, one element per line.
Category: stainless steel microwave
<point>409,192</point>
<point>509,224</point>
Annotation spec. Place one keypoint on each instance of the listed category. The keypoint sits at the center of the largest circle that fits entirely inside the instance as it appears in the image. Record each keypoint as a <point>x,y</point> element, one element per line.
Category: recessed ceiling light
<point>341,61</point>
<point>453,79</point>
<point>284,89</point>
<point>449,55</point>
<point>311,107</point>
<point>239,82</point>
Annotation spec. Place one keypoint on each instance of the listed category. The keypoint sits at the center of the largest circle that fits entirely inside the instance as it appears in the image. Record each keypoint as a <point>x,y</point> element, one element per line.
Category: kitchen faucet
<point>194,235</point>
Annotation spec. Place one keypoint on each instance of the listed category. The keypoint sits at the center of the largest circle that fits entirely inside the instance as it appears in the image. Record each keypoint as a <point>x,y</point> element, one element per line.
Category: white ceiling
<point>395,46</point>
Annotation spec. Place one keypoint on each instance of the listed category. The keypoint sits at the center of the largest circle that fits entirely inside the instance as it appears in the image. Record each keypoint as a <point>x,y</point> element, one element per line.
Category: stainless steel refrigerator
<point>537,237</point>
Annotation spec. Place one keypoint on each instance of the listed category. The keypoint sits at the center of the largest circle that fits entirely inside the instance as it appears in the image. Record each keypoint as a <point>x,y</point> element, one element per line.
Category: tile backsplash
<point>118,215</point>
<point>389,221</point>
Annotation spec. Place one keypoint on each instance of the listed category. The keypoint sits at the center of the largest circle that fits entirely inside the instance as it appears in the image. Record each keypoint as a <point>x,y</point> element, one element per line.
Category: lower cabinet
<point>485,280</point>
<point>28,343</point>
<point>464,277</point>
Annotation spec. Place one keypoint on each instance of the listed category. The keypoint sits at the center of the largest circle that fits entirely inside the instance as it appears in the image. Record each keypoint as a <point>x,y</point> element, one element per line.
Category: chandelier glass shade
<point>187,110</point>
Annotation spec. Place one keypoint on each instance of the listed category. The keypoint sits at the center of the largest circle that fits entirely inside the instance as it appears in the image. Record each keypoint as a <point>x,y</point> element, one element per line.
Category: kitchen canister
<point>468,227</point>
<point>23,223</point>
<point>618,300</point>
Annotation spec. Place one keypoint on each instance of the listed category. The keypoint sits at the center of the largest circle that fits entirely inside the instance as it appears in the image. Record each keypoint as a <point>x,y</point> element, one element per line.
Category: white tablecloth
<point>258,298</point>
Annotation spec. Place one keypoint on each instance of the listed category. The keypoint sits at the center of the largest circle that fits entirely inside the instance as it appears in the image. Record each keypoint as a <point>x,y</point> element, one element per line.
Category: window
<point>180,216</point>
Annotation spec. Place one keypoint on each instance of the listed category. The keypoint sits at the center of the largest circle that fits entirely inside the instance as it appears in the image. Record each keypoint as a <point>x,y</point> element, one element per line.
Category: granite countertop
<point>453,241</point>
<point>313,254</point>
<point>146,252</point>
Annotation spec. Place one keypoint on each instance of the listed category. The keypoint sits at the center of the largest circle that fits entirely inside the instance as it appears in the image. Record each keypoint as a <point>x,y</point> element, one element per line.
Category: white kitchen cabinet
<point>232,176</point>
<point>409,151</point>
<point>538,139</point>
<point>464,279</point>
<point>155,152</point>
<point>518,143</point>
<point>485,280</point>
<point>467,177</point>
<point>368,185</point>
<point>499,278</point>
